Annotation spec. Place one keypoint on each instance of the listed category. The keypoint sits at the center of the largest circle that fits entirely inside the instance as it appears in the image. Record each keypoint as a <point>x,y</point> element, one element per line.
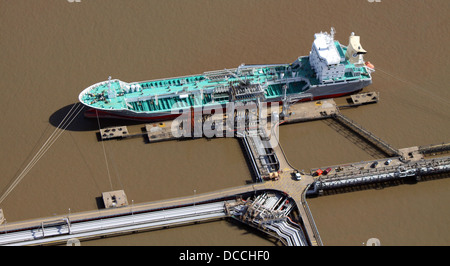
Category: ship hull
<point>337,89</point>
<point>317,92</point>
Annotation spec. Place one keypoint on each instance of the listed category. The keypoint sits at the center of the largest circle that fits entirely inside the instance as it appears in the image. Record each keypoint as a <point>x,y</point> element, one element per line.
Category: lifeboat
<point>369,65</point>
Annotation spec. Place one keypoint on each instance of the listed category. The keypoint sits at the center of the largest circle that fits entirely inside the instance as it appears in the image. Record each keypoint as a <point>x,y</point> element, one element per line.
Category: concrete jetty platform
<point>356,100</point>
<point>114,132</point>
<point>114,199</point>
<point>311,111</point>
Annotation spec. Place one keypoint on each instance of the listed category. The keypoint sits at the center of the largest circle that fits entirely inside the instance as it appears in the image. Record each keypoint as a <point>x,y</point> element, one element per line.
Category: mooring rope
<point>65,122</point>
<point>104,152</point>
<point>415,87</point>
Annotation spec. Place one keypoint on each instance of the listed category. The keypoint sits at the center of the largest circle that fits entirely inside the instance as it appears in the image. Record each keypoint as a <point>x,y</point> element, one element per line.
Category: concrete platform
<point>114,132</point>
<point>160,131</point>
<point>311,110</point>
<point>114,199</point>
<point>365,98</point>
<point>411,153</point>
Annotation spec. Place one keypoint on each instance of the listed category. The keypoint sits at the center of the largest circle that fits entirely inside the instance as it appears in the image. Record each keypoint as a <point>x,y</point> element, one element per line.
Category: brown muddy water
<point>53,49</point>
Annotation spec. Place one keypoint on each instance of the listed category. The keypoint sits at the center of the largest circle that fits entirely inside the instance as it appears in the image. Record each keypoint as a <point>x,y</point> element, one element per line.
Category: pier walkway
<point>433,149</point>
<point>134,218</point>
<point>61,231</point>
<point>57,229</point>
<point>395,171</point>
<point>381,144</point>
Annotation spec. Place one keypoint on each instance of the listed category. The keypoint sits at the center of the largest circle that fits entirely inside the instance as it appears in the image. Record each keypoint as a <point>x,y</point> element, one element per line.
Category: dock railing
<point>434,148</point>
<point>417,168</point>
<point>310,218</point>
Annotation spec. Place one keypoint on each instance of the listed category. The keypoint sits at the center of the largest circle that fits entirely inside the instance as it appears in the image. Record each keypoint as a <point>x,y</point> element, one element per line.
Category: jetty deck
<point>114,132</point>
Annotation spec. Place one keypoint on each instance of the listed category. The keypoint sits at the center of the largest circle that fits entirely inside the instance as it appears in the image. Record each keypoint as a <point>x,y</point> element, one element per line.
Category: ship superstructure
<point>331,70</point>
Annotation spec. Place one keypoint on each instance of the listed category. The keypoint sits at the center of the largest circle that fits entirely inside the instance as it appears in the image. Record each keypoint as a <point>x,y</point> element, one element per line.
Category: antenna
<point>111,93</point>
<point>333,31</point>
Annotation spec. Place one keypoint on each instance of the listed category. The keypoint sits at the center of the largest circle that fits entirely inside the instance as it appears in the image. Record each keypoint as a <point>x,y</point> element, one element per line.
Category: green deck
<point>168,91</point>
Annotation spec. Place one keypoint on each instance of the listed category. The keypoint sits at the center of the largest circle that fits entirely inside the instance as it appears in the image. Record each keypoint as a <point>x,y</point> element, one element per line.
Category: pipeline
<point>409,170</point>
<point>314,191</point>
<point>252,159</point>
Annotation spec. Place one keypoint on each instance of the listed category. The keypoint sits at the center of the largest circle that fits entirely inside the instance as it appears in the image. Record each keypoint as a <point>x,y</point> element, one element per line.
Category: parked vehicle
<point>318,172</point>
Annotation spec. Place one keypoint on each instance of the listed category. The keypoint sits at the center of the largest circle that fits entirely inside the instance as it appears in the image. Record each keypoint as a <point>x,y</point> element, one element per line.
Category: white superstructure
<point>325,59</point>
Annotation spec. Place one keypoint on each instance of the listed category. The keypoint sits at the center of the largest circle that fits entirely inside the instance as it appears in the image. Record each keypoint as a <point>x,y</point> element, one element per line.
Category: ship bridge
<point>325,58</point>
<point>333,62</point>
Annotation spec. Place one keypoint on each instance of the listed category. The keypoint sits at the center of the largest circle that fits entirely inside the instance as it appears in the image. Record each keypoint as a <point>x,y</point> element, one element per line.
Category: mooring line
<point>65,122</point>
<point>415,87</point>
<point>104,152</point>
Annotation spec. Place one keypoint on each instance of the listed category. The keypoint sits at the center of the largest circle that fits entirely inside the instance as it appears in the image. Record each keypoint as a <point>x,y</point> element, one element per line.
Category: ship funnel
<point>354,50</point>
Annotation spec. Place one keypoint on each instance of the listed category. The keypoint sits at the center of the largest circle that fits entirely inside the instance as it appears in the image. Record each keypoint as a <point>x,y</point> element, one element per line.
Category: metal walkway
<point>382,145</point>
<point>263,159</point>
<point>415,168</point>
<point>435,148</point>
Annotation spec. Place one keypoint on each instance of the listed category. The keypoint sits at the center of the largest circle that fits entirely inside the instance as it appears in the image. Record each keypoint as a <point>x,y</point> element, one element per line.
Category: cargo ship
<point>330,70</point>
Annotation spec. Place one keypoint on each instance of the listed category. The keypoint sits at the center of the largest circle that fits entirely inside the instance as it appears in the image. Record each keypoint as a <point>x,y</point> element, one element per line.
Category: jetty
<point>275,203</point>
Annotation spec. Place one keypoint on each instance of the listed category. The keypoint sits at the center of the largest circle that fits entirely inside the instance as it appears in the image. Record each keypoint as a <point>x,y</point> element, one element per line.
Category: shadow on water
<point>81,123</point>
<point>100,203</point>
